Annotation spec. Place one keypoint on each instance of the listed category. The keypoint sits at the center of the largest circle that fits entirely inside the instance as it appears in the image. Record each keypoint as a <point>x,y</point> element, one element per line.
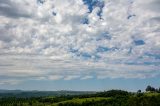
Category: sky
<point>79,44</point>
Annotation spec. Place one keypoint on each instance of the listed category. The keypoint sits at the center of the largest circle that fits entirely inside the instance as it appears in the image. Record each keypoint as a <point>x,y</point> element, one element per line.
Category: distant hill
<point>9,91</point>
<point>34,93</point>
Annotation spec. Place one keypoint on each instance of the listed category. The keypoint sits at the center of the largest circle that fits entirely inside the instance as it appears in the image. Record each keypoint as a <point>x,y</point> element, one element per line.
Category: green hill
<point>107,98</point>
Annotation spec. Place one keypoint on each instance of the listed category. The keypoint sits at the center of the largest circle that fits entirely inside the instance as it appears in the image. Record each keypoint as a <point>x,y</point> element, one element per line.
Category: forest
<point>151,97</point>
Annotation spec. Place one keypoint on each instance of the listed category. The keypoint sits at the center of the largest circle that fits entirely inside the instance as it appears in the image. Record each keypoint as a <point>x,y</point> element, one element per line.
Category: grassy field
<point>151,94</point>
<point>80,101</point>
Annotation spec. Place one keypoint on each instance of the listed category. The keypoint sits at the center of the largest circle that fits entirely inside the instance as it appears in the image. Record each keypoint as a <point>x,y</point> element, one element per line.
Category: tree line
<point>152,89</point>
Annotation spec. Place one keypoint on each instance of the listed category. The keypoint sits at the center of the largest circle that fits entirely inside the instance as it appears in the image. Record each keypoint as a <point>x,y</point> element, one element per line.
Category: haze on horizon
<point>79,44</point>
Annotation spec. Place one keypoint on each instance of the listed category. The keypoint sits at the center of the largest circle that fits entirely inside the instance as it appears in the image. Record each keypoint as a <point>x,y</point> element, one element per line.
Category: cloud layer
<point>77,39</point>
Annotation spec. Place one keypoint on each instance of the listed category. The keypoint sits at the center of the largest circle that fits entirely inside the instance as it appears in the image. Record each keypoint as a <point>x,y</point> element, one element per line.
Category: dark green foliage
<point>112,93</point>
<point>109,98</point>
<point>149,88</point>
<point>139,91</point>
<point>28,94</point>
<point>144,101</point>
<point>134,100</point>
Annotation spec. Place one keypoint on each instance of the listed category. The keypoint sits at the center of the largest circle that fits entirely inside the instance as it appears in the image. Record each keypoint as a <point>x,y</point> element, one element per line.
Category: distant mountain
<point>9,91</point>
<point>35,93</point>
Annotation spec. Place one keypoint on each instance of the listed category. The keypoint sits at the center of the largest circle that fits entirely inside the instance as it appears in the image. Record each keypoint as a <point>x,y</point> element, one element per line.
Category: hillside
<point>107,98</point>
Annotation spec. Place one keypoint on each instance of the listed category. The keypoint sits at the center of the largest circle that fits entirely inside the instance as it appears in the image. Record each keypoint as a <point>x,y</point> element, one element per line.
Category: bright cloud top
<point>78,39</point>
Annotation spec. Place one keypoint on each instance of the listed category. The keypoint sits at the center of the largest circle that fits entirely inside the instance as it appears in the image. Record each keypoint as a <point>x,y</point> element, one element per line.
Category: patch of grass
<point>80,101</point>
<point>151,94</point>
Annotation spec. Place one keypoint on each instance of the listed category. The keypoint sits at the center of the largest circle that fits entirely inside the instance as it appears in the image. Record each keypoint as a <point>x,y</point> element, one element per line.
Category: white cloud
<point>41,40</point>
<point>10,82</point>
<point>55,77</point>
<point>86,77</point>
<point>71,77</point>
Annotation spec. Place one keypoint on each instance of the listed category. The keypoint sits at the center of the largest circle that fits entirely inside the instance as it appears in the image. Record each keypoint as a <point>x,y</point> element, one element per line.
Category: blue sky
<point>87,85</point>
<point>79,44</point>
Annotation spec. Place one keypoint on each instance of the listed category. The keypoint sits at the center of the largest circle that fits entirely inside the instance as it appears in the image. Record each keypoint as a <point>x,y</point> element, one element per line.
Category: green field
<point>151,94</point>
<point>80,101</point>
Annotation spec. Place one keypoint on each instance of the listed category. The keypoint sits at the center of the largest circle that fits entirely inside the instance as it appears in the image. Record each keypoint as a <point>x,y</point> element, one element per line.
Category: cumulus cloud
<point>73,39</point>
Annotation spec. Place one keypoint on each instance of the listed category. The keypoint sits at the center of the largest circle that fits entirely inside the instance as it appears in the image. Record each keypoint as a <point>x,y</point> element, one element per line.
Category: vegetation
<point>107,98</point>
<point>28,94</point>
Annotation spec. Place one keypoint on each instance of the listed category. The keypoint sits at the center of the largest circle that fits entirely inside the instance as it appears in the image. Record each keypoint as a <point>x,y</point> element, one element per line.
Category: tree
<point>156,90</point>
<point>149,88</point>
<point>153,89</point>
<point>139,91</point>
<point>159,90</point>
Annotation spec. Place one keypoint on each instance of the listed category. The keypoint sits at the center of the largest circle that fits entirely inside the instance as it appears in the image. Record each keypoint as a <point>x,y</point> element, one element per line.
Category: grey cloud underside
<point>41,45</point>
<point>155,5</point>
<point>10,9</point>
